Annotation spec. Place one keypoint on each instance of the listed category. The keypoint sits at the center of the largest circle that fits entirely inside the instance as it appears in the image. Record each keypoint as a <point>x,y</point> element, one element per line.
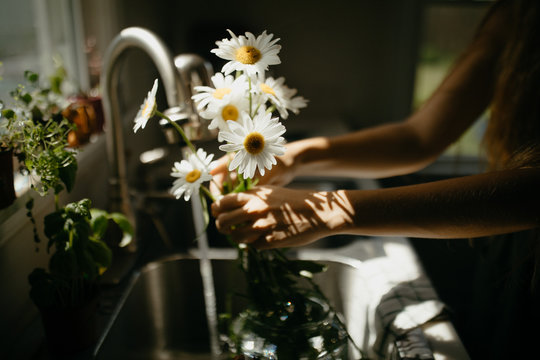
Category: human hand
<point>272,217</point>
<point>281,174</point>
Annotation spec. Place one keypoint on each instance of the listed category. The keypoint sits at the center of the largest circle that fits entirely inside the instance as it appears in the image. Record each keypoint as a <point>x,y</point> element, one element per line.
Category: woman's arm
<point>404,147</point>
<point>472,206</point>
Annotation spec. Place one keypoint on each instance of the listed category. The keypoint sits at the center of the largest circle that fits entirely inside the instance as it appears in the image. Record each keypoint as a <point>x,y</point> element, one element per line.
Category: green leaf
<point>99,222</point>
<point>127,229</point>
<point>8,114</point>
<point>101,253</point>
<point>26,98</point>
<point>31,76</point>
<point>68,175</point>
<point>56,84</point>
<point>81,208</point>
<point>54,224</point>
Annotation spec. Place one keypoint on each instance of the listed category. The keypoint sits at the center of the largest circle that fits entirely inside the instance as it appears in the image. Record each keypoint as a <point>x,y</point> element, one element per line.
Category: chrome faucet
<point>178,75</point>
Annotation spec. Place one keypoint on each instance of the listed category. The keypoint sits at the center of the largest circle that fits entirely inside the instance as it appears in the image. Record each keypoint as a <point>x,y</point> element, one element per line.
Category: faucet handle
<point>194,71</point>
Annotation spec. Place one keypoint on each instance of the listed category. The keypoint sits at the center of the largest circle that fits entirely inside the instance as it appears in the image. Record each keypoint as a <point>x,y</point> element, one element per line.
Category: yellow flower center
<point>221,92</point>
<point>229,112</point>
<point>248,55</point>
<point>147,111</point>
<point>267,89</point>
<point>193,175</point>
<point>254,143</point>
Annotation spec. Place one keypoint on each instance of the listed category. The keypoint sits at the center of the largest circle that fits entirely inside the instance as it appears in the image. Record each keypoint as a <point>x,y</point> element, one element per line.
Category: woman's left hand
<point>270,217</point>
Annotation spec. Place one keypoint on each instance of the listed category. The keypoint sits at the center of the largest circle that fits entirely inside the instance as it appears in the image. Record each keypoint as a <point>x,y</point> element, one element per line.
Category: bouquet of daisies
<point>246,107</point>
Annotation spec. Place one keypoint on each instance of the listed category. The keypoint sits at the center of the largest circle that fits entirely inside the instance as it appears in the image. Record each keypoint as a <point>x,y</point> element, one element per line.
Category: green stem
<point>242,181</point>
<point>179,129</point>
<point>257,108</point>
<point>271,109</point>
<point>208,193</point>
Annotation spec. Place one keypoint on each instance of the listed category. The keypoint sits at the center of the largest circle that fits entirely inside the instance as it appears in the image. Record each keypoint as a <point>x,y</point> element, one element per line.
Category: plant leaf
<point>99,222</point>
<point>31,76</point>
<point>100,252</point>
<point>68,174</point>
<point>122,221</point>
<point>8,113</point>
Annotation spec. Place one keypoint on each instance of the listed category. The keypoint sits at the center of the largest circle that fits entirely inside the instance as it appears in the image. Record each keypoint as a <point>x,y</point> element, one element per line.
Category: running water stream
<point>207,277</point>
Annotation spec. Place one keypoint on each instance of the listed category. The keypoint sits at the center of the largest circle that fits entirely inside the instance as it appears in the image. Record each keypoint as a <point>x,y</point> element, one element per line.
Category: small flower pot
<point>7,189</point>
<point>87,114</point>
<point>69,331</point>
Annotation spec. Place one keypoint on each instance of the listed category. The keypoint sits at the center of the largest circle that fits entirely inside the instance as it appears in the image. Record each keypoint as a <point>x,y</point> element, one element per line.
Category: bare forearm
<point>473,206</point>
<point>386,150</point>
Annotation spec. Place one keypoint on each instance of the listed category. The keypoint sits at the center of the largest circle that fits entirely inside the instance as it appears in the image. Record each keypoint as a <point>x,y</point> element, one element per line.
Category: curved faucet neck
<point>147,41</point>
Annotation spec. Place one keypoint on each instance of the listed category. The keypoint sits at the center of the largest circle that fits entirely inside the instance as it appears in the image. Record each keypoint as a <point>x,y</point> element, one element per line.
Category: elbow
<point>418,150</point>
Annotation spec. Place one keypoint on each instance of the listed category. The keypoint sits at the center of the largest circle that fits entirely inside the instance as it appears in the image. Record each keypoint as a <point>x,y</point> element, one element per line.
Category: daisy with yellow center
<point>224,86</point>
<point>191,173</point>
<point>249,54</point>
<point>147,110</point>
<point>280,95</point>
<point>255,143</point>
<point>230,109</point>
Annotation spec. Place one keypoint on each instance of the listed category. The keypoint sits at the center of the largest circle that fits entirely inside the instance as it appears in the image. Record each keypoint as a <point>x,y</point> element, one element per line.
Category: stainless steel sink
<point>162,315</point>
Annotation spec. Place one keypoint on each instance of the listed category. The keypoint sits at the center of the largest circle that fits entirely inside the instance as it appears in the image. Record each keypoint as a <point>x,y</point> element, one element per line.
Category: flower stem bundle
<point>243,107</point>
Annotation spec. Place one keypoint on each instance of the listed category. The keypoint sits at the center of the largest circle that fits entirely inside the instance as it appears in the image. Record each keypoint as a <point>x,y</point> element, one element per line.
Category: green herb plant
<point>81,255</point>
<point>35,129</point>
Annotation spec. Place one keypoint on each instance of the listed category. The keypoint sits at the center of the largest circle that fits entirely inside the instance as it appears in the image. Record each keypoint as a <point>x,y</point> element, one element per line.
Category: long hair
<point>512,137</point>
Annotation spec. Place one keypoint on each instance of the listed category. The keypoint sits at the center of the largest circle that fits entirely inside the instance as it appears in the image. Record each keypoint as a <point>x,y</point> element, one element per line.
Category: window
<point>448,26</point>
<point>39,35</point>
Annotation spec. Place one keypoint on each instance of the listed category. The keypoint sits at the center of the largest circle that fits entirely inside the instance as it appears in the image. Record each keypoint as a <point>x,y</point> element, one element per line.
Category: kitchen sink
<point>162,315</point>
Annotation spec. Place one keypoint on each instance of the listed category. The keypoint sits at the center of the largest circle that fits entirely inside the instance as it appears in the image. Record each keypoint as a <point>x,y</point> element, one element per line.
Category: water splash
<point>207,278</point>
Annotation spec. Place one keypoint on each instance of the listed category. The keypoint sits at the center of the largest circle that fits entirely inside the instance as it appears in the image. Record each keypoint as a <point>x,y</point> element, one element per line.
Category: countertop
<point>388,261</point>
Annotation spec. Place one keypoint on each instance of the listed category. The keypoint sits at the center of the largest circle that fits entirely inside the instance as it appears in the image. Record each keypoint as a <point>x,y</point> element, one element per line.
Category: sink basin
<point>162,315</point>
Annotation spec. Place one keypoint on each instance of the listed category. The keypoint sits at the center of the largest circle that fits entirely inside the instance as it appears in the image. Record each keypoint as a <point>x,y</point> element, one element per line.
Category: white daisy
<point>147,109</point>
<point>223,87</point>
<point>230,109</point>
<point>191,173</point>
<point>279,94</point>
<point>256,143</point>
<point>247,53</point>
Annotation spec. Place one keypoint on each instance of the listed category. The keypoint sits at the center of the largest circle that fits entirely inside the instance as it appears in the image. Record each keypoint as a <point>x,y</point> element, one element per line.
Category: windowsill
<point>14,216</point>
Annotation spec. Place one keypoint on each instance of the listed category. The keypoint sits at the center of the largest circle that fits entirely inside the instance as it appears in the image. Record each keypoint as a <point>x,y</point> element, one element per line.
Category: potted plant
<point>66,294</point>
<point>36,131</point>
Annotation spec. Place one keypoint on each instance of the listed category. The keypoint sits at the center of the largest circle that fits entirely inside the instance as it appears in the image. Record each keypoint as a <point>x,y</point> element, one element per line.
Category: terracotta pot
<point>87,114</point>
<point>7,190</point>
<point>69,331</point>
